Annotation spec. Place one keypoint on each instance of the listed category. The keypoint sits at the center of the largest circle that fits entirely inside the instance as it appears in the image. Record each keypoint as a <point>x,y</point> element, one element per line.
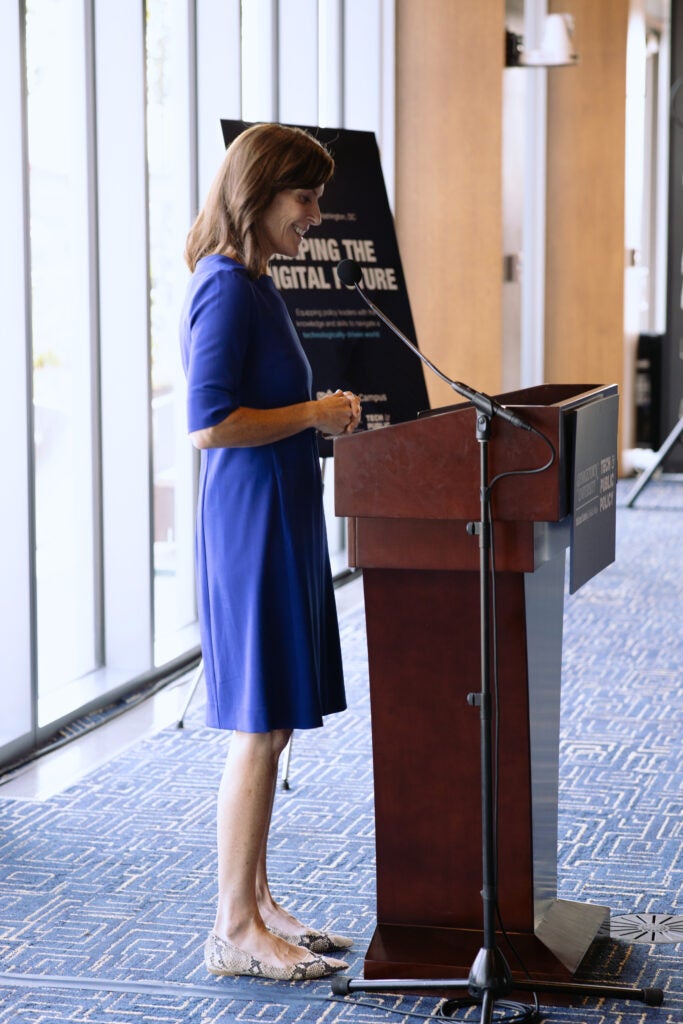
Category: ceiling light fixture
<point>556,49</point>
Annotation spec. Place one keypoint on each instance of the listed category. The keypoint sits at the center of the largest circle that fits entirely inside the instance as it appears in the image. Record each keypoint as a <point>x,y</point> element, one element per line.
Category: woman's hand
<point>245,427</point>
<point>338,413</point>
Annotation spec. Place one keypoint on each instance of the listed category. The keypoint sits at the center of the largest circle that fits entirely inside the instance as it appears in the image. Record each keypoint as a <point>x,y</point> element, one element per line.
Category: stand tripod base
<point>404,951</point>
<point>342,985</point>
<point>450,960</point>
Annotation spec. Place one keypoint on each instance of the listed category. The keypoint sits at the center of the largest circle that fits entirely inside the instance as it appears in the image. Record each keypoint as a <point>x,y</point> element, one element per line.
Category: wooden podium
<point>409,491</point>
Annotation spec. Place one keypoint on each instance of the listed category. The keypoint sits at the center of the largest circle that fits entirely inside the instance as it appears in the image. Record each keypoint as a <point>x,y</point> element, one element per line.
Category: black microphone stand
<point>490,977</point>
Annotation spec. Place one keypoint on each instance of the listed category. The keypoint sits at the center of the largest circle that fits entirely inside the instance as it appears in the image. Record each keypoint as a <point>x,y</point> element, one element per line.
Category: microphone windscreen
<point>349,272</point>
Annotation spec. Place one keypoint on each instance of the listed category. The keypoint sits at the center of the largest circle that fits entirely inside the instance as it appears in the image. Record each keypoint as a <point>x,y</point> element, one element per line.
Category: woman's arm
<point>243,428</point>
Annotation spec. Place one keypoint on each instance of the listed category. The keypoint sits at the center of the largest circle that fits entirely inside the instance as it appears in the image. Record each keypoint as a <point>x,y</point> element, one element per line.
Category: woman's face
<point>289,216</point>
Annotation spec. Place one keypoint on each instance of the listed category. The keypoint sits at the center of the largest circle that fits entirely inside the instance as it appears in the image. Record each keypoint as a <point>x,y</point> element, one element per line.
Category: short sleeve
<point>216,332</point>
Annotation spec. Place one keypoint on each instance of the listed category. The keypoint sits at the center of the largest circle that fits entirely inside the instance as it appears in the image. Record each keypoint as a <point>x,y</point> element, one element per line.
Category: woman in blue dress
<point>269,633</point>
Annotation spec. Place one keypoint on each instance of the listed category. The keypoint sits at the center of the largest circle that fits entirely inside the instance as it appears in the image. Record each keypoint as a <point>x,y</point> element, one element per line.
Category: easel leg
<point>661,455</point>
<point>196,679</point>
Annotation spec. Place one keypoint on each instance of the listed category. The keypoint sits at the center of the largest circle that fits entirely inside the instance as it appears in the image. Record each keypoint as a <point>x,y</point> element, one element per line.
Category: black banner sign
<point>346,344</point>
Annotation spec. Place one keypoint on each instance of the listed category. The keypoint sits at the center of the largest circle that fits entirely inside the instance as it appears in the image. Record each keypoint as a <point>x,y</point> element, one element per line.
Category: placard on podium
<point>409,491</point>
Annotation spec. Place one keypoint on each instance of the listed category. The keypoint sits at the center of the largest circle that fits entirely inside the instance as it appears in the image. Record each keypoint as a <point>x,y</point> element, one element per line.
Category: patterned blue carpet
<point>106,890</point>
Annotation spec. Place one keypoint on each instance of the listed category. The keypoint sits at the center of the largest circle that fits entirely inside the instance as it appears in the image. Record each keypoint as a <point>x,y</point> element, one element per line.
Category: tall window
<point>110,126</point>
<point>65,486</point>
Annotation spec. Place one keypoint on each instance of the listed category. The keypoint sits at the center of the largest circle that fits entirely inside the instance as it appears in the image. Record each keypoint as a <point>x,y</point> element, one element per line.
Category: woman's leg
<point>275,916</point>
<point>245,800</point>
<point>246,907</point>
<point>245,806</point>
<point>271,912</point>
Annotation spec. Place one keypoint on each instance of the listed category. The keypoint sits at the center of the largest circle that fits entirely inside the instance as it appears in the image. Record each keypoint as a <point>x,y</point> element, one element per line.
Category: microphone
<point>350,274</point>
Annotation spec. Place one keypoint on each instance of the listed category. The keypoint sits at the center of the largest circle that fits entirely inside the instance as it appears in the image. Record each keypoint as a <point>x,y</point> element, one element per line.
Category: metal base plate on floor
<point>647,928</point>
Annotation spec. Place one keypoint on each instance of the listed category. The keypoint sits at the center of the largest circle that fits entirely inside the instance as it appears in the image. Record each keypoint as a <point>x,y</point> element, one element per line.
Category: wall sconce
<point>556,49</point>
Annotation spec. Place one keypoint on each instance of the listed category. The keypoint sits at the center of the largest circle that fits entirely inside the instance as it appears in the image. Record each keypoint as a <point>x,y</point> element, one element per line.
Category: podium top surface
<point>429,468</point>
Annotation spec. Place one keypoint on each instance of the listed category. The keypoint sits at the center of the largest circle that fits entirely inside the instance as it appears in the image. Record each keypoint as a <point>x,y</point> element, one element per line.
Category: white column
<point>16,469</point>
<point>124,325</point>
<point>259,60</point>
<point>330,63</point>
<point>219,86</point>
<point>298,62</point>
<point>532,346</point>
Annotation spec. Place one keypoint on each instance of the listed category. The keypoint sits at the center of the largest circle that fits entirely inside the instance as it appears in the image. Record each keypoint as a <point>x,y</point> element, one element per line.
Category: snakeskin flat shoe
<point>317,942</point>
<point>222,958</point>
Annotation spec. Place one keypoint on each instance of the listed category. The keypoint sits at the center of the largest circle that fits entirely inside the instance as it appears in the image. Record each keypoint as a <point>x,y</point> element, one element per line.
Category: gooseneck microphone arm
<point>350,274</point>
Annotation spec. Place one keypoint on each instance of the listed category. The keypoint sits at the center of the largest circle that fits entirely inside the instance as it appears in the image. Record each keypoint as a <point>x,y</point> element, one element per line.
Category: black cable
<point>511,1011</point>
<point>528,472</point>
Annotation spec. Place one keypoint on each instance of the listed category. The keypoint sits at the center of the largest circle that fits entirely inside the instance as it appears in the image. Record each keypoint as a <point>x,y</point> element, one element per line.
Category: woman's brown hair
<point>259,163</point>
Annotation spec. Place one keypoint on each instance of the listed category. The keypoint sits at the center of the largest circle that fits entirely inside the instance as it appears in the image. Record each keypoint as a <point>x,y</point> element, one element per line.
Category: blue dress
<point>267,614</point>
